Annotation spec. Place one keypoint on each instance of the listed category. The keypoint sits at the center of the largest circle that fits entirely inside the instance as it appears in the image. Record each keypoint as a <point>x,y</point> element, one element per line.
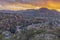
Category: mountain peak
<point>44,10</point>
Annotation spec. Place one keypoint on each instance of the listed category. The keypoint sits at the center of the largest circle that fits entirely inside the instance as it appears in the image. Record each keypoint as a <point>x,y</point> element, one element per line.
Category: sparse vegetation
<point>18,27</point>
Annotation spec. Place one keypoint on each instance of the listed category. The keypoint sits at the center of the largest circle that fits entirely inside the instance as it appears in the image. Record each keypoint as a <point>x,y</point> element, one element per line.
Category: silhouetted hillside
<point>42,12</point>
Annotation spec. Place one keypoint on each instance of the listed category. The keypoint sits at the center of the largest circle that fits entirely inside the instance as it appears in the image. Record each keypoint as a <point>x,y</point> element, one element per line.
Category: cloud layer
<point>29,4</point>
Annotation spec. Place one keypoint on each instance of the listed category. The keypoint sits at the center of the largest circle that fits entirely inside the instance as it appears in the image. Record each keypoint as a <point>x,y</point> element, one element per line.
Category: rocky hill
<point>42,24</point>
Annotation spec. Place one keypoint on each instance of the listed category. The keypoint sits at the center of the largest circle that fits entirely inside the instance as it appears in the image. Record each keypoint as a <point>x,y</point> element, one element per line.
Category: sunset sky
<point>29,4</point>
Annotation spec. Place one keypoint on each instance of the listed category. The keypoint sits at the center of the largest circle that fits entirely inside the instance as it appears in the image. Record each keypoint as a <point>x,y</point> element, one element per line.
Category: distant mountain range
<point>42,12</point>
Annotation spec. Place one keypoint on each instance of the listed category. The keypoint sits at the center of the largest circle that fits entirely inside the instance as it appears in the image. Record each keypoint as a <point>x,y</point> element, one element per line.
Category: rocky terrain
<point>42,24</point>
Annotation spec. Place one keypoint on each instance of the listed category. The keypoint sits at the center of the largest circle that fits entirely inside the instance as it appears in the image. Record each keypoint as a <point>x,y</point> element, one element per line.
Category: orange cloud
<point>53,5</point>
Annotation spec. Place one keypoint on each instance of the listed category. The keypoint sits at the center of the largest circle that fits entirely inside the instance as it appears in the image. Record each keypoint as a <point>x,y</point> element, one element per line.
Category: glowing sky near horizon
<point>29,4</point>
